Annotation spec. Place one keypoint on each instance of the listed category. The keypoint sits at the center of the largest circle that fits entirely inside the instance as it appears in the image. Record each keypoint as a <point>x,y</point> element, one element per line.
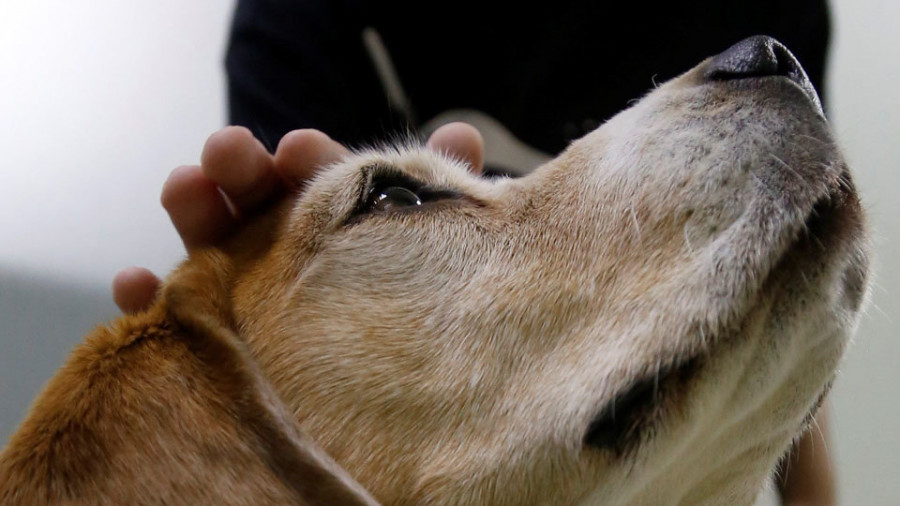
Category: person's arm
<point>807,477</point>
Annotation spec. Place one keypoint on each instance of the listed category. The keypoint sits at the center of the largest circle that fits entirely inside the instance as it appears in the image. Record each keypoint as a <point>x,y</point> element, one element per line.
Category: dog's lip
<point>823,220</point>
<point>638,408</point>
<point>808,91</point>
<point>821,215</point>
<point>776,84</point>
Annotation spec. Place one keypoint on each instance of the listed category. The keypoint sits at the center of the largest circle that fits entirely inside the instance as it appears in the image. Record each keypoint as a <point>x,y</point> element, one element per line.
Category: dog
<point>648,319</point>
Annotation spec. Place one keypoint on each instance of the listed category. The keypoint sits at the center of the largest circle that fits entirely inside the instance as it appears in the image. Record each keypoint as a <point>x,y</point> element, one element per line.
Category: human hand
<point>249,177</point>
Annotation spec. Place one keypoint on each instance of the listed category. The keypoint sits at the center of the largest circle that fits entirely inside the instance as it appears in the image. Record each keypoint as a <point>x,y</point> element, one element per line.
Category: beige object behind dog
<point>648,319</point>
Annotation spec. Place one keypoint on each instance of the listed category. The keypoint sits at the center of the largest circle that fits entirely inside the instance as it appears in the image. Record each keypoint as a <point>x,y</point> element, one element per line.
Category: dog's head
<point>650,318</point>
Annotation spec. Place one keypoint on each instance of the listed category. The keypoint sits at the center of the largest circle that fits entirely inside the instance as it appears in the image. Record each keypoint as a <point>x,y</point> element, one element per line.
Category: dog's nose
<point>760,56</point>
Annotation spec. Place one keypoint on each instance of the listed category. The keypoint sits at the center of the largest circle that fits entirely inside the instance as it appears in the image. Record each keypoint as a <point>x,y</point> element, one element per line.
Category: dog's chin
<point>817,255</point>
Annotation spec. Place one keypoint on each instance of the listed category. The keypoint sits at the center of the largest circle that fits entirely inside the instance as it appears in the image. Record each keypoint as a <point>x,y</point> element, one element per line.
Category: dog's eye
<point>391,192</point>
<point>388,191</point>
<point>390,198</point>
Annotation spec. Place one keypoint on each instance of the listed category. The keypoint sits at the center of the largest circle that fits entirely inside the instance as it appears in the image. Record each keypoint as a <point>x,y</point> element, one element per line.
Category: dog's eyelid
<point>379,172</point>
<point>384,175</point>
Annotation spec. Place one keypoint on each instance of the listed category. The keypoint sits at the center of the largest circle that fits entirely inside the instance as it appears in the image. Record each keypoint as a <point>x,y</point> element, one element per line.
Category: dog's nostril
<point>759,56</point>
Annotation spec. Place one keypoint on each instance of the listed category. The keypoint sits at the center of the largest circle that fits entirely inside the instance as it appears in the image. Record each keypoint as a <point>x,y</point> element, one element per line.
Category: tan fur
<point>167,408</point>
<point>457,353</point>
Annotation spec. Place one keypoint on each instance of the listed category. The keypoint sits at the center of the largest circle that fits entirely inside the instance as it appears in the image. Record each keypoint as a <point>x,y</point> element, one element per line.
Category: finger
<point>301,152</point>
<point>462,141</point>
<point>236,161</point>
<point>134,289</point>
<point>196,207</point>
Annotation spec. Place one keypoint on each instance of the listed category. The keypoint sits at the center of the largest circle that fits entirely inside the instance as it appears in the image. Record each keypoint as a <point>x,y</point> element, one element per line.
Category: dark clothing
<point>549,72</point>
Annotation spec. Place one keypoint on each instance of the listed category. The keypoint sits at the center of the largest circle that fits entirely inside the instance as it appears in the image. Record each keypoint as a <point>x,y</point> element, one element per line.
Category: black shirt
<point>548,72</point>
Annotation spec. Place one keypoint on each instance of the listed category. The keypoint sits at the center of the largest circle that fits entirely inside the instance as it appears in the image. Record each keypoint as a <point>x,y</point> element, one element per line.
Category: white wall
<point>865,100</point>
<point>99,100</point>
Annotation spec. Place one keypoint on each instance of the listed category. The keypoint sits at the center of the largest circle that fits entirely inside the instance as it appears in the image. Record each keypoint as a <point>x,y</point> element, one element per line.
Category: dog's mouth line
<point>820,218</point>
<point>637,409</point>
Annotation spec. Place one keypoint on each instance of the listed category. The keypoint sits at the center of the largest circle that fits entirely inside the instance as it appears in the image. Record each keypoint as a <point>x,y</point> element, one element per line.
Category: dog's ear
<point>167,407</point>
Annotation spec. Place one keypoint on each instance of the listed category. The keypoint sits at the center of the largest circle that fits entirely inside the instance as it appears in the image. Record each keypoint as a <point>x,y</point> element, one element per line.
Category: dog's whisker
<point>637,224</point>
<point>786,166</point>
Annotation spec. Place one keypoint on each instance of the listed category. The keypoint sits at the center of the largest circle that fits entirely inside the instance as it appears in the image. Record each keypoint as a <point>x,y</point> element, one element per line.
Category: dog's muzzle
<point>757,57</point>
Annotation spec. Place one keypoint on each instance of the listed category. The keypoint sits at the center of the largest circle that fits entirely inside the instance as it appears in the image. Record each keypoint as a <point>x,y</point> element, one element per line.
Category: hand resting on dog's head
<point>250,178</point>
